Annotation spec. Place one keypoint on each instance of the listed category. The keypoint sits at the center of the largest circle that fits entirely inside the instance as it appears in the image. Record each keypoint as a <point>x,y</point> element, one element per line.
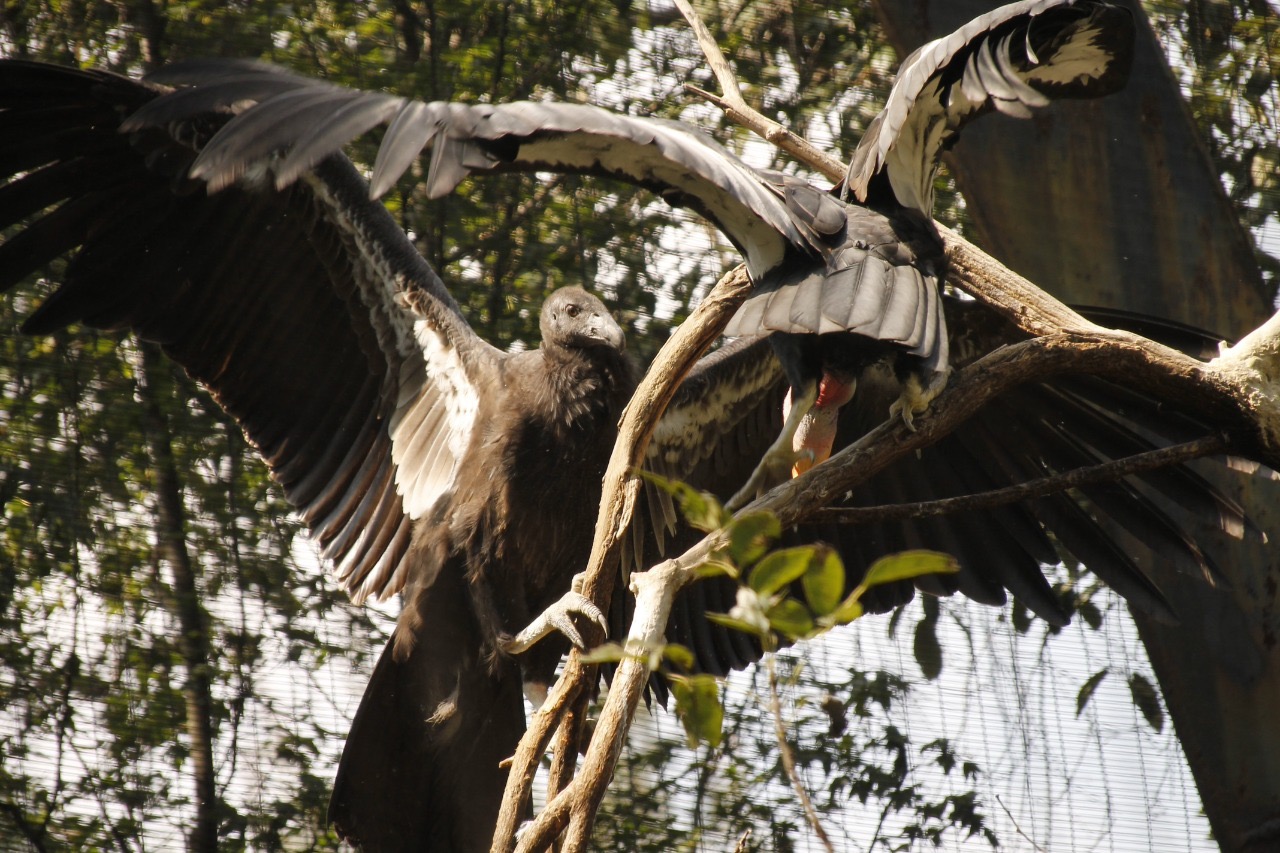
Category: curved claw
<point>916,397</point>
<point>559,617</point>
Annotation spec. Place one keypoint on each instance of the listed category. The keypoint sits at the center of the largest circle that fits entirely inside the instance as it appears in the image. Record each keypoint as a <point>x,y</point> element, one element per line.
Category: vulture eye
<point>572,310</point>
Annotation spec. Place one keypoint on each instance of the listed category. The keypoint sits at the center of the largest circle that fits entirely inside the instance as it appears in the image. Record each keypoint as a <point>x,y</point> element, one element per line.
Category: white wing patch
<point>430,429</point>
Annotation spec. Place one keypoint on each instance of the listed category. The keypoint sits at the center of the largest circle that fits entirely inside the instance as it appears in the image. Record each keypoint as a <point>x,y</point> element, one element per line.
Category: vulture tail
<point>420,771</point>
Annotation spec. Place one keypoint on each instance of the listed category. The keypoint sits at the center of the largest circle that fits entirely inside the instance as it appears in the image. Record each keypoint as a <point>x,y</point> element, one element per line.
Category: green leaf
<point>605,653</point>
<point>791,619</point>
<point>714,567</point>
<point>779,569</point>
<point>702,510</point>
<point>824,581</point>
<point>751,535</point>
<point>849,610</point>
<point>1086,692</point>
<point>1147,699</point>
<point>736,624</point>
<point>909,564</point>
<point>679,655</point>
<point>698,707</point>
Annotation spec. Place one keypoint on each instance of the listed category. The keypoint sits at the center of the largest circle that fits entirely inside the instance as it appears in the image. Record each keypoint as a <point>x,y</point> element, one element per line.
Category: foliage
<point>852,755</point>
<point>1229,75</point>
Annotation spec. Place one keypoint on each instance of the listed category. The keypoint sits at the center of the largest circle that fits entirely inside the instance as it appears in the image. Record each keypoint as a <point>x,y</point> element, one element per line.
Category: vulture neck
<point>585,384</point>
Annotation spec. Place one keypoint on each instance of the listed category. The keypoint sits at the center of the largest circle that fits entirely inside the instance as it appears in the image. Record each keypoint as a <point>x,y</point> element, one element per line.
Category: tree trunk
<point>1116,203</point>
<point>185,604</point>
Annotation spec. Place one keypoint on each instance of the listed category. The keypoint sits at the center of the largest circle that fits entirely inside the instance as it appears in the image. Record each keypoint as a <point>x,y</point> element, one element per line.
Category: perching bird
<point>376,433</point>
<point>423,459</point>
<point>837,286</point>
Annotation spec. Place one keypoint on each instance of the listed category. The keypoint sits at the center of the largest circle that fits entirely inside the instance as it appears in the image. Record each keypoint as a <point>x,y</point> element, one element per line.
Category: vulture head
<point>574,319</point>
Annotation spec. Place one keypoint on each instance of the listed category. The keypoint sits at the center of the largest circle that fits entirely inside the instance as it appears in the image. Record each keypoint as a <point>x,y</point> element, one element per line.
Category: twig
<point>737,109</point>
<point>789,759</point>
<point>1105,472</point>
<point>1018,829</point>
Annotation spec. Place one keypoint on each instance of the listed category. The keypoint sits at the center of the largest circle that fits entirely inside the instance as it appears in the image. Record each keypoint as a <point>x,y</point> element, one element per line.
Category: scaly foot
<point>559,617</point>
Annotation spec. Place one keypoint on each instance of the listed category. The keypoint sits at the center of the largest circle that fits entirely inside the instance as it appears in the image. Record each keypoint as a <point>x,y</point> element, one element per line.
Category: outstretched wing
<point>303,310</point>
<point>1031,432</point>
<point>310,119</point>
<point>1012,59</point>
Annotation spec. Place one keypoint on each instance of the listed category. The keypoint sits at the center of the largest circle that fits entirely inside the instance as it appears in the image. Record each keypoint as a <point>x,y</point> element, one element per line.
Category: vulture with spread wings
<point>225,224</point>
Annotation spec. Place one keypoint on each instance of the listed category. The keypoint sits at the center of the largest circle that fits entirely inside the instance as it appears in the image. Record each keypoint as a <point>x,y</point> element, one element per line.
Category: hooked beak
<point>602,328</point>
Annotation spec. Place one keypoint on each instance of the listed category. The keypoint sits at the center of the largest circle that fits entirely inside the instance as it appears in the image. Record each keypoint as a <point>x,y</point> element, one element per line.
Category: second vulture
<point>225,224</point>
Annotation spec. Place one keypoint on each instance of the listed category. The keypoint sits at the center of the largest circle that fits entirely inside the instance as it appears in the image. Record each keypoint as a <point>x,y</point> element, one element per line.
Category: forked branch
<point>1239,392</point>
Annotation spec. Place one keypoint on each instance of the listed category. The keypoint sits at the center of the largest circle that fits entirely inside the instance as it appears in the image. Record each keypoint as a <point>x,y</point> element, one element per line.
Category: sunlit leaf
<point>823,581</point>
<point>750,535</point>
<point>791,619</point>
<point>714,567</point>
<point>699,709</point>
<point>848,610</point>
<point>909,564</point>
<point>736,624</point>
<point>679,655</point>
<point>702,510</point>
<point>605,653</point>
<point>779,569</point>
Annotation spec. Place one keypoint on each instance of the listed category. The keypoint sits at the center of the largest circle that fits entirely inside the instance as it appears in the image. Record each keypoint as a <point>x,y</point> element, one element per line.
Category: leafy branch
<point>1239,391</point>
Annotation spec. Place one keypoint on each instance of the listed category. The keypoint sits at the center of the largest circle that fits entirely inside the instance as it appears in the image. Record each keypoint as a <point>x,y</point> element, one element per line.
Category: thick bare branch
<point>673,362</point>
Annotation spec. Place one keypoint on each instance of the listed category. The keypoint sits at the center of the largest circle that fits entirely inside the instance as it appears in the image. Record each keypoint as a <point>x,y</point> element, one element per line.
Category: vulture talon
<point>916,398</point>
<point>559,617</point>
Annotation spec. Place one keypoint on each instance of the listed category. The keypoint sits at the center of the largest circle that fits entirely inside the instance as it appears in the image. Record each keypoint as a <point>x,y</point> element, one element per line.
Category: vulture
<point>221,221</point>
<point>837,286</point>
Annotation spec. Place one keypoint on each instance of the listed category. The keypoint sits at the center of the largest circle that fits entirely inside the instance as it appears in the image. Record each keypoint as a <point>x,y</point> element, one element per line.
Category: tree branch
<point>1105,472</point>
<point>673,362</point>
<point>1239,391</point>
<point>788,757</point>
<point>737,109</point>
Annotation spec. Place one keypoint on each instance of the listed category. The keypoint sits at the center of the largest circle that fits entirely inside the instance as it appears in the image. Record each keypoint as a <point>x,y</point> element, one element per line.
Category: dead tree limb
<point>673,362</point>
<point>1239,391</point>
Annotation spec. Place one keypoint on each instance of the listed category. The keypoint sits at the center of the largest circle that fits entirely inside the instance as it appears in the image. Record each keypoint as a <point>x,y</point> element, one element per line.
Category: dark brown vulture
<point>837,286</point>
<point>427,462</point>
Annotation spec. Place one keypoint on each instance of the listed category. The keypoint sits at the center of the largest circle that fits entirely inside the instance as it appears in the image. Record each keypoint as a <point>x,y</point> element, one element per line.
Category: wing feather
<point>312,119</point>
<point>301,309</point>
<point>1013,59</point>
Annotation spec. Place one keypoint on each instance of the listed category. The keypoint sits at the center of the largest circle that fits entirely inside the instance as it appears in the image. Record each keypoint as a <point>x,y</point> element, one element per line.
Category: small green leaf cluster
<point>785,595</point>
